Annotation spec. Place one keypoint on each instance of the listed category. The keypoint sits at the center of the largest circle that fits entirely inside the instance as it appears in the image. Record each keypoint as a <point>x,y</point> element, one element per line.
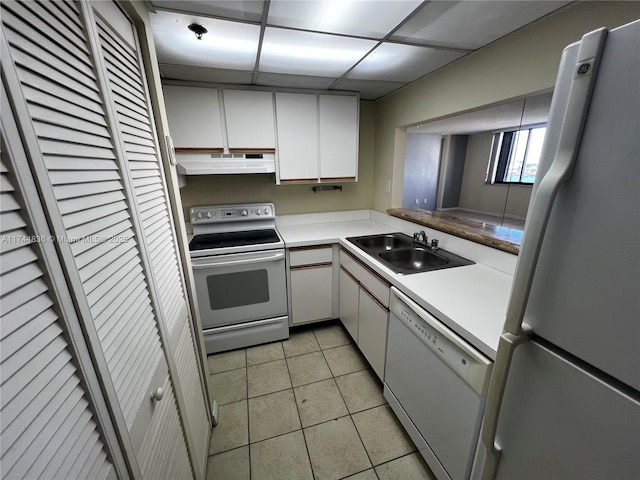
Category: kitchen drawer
<point>310,255</point>
<point>369,279</point>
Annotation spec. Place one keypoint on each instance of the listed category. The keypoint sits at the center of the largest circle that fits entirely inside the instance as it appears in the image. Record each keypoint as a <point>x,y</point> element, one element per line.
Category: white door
<point>297,119</point>
<point>338,137</point>
<point>53,415</point>
<point>249,117</point>
<point>194,117</point>
<point>129,100</point>
<point>589,254</point>
<point>83,151</point>
<point>349,293</point>
<point>560,421</point>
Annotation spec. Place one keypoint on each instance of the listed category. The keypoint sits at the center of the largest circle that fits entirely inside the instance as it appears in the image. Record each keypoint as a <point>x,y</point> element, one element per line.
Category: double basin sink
<point>403,254</point>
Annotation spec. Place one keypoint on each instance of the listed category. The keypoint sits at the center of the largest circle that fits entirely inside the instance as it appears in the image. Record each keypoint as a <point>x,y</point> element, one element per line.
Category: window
<point>515,155</point>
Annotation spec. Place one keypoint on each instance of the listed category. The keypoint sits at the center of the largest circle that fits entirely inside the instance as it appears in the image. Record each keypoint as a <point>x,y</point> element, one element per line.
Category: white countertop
<point>470,300</point>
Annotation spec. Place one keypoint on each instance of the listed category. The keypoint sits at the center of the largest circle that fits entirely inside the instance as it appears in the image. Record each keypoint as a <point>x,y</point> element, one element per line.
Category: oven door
<point>240,287</point>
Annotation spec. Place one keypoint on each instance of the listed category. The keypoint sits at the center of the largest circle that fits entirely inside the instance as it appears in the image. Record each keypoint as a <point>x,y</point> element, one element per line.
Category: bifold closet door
<point>91,145</point>
<point>128,96</point>
<point>48,418</point>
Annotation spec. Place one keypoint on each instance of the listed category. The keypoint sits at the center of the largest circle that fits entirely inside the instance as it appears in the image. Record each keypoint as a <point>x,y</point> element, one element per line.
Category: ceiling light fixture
<point>199,30</point>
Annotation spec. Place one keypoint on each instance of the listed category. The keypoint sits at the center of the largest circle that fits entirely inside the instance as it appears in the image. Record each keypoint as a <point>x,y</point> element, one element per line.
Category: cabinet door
<point>349,292</point>
<point>297,120</point>
<point>372,331</point>
<point>91,142</point>
<point>193,114</point>
<point>311,293</point>
<point>51,426</point>
<point>157,236</point>
<point>338,137</point>
<point>249,119</point>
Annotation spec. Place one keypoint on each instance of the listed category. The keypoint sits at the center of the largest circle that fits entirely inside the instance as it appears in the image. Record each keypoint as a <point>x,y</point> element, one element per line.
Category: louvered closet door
<point>48,427</point>
<point>130,101</point>
<point>49,45</point>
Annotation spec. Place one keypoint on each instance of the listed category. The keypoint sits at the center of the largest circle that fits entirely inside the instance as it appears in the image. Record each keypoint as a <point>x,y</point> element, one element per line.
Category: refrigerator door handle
<point>508,343</point>
<point>515,332</point>
<point>575,115</point>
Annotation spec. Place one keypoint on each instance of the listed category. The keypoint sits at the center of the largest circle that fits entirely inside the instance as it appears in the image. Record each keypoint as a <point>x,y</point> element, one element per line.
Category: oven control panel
<point>232,213</point>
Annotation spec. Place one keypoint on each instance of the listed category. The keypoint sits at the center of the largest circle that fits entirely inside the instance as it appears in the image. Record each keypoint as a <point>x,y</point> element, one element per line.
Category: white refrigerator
<point>564,398</point>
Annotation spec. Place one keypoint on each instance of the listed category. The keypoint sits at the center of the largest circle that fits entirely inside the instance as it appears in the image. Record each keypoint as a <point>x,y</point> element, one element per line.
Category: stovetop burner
<point>209,241</point>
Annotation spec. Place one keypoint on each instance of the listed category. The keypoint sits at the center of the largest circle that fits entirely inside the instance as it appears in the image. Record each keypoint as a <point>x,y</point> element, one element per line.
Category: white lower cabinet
<point>310,284</point>
<point>364,309</point>
<point>349,292</point>
<point>372,330</point>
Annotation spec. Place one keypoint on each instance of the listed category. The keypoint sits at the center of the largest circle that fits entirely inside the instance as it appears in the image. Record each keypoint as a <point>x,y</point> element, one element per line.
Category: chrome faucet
<point>420,237</point>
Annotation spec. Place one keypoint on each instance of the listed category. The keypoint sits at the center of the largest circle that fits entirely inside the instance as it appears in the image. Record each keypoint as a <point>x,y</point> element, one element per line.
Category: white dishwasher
<point>436,384</point>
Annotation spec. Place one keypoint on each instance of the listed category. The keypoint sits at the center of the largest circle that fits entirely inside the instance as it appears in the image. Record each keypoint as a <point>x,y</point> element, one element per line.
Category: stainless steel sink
<point>388,242</point>
<point>413,258</point>
<point>402,254</point>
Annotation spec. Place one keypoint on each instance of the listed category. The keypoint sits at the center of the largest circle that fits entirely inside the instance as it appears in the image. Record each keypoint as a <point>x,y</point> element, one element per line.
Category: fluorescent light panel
<point>307,53</point>
<point>393,62</point>
<point>347,17</point>
<point>227,44</point>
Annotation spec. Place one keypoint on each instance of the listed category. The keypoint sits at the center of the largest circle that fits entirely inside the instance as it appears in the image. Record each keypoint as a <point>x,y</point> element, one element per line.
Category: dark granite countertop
<point>495,236</point>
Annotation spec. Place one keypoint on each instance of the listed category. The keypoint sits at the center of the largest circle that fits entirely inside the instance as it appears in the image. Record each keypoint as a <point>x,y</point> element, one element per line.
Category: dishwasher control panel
<point>473,367</point>
<point>448,352</point>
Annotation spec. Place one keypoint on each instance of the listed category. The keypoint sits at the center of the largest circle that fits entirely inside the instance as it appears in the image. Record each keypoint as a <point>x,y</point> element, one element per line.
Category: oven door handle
<point>227,260</point>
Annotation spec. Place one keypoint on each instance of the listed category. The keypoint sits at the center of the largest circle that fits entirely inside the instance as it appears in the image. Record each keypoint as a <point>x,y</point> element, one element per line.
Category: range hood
<point>225,163</point>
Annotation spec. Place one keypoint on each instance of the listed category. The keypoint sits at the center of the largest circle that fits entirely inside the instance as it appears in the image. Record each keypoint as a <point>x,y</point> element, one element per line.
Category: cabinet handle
<point>374,298</point>
<point>349,274</point>
<point>311,265</point>
<point>157,394</point>
<point>365,266</point>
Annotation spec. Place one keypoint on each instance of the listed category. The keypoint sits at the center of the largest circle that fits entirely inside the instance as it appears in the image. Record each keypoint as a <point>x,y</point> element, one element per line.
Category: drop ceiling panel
<point>345,17</point>
<point>294,81</point>
<point>369,89</point>
<point>393,62</point>
<point>234,9</point>
<point>313,43</point>
<point>471,24</point>
<point>230,45</point>
<point>205,74</point>
<point>307,53</point>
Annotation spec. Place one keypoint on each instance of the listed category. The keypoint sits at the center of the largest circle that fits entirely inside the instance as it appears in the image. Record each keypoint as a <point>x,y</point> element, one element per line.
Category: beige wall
<point>289,199</point>
<point>530,56</point>
<point>475,194</point>
<point>478,196</point>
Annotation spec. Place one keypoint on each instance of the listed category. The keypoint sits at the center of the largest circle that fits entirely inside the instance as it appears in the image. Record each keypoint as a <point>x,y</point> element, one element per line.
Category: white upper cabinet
<point>194,117</point>
<point>317,134</point>
<point>297,118</point>
<point>249,119</point>
<point>317,137</point>
<point>338,117</point>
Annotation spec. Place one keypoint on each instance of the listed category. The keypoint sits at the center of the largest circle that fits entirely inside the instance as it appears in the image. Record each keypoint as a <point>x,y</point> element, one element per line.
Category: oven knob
<point>244,212</point>
<point>258,212</point>
<point>267,211</point>
<point>209,215</point>
<point>199,215</point>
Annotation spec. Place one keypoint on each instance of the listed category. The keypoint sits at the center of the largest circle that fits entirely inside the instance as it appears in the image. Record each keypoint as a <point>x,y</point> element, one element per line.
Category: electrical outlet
<point>417,201</point>
<point>387,186</point>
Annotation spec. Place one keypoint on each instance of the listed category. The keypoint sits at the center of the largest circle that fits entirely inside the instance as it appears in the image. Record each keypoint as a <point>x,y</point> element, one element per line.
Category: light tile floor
<point>308,407</point>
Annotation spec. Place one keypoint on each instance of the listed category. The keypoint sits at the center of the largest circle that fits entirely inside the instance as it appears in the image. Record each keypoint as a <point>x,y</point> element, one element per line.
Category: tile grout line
<point>349,414</point>
<point>302,428</point>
